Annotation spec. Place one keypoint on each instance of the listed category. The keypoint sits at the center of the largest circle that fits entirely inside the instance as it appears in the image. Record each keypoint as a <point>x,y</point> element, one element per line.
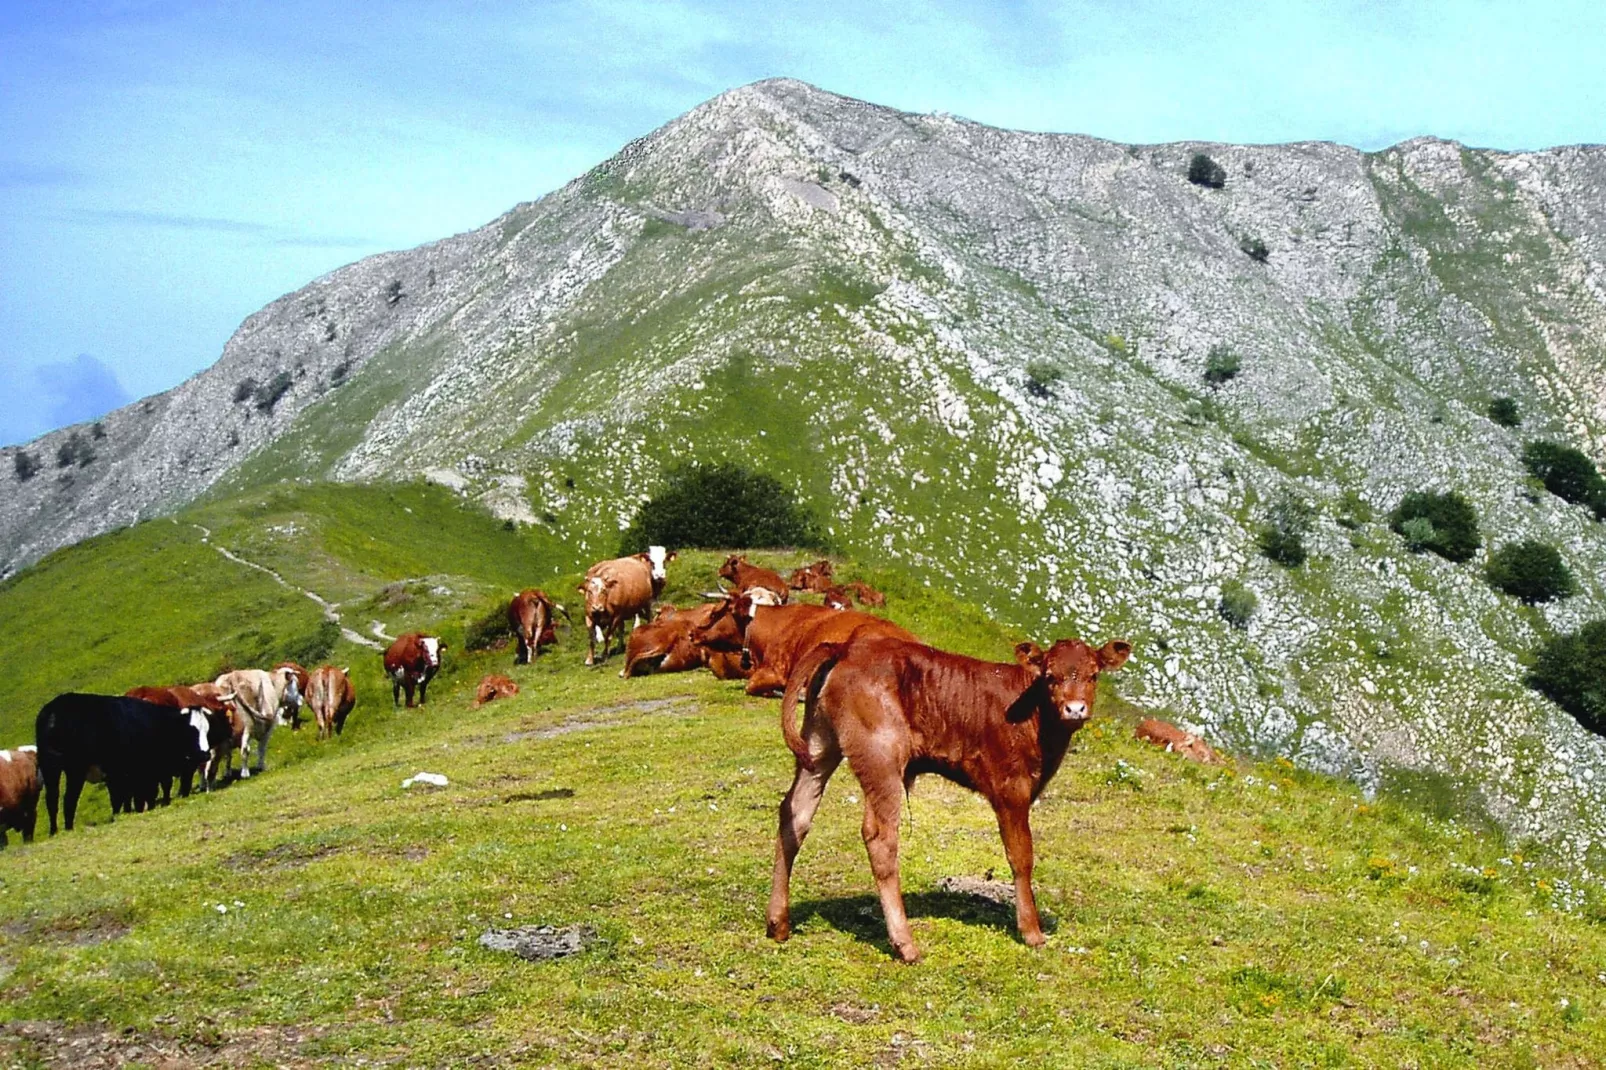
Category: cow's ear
<point>1030,656</point>
<point>670,556</point>
<point>1113,655</point>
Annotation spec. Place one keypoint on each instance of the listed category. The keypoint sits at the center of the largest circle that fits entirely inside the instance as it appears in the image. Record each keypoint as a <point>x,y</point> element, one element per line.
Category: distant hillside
<point>874,306</point>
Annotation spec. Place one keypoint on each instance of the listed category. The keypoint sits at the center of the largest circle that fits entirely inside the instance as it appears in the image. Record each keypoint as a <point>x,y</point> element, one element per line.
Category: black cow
<point>131,744</point>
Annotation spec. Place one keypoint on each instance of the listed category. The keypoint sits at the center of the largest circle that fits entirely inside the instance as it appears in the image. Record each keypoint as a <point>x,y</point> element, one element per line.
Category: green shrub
<point>76,450</point>
<point>244,389</point>
<point>1203,171</point>
<point>1503,411</point>
<point>269,393</point>
<point>312,649</point>
<point>1282,536</point>
<point>1041,377</point>
<point>1451,530</point>
<point>489,630</point>
<point>1238,604</point>
<point>97,430</point>
<point>1255,249</point>
<point>23,463</point>
<point>1571,672</point>
<point>721,506</point>
<point>1568,474</point>
<point>1221,364</point>
<point>1531,571</point>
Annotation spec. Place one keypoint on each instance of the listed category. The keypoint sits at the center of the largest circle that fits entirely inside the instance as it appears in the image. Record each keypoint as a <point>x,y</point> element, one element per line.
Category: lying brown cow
<point>867,595</point>
<point>620,590</point>
<point>19,792</point>
<point>331,696</point>
<point>746,579</point>
<point>837,598</point>
<point>412,662</point>
<point>815,577</point>
<point>665,643</point>
<point>492,687</point>
<point>530,616</point>
<point>1167,735</point>
<point>897,709</point>
<point>779,637</point>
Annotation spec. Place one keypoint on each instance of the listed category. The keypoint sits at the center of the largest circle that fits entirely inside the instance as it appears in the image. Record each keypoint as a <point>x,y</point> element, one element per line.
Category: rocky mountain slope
<point>849,297</point>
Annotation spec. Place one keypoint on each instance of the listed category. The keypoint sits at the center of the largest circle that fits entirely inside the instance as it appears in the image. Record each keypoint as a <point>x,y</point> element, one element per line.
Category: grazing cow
<point>779,637</point>
<point>259,697</point>
<point>127,742</point>
<point>291,700</point>
<point>331,696</point>
<point>750,579</point>
<point>896,709</point>
<point>619,590</point>
<point>228,730</point>
<point>816,577</point>
<point>19,792</point>
<point>492,687</point>
<point>1167,735</point>
<point>412,662</point>
<point>529,615</point>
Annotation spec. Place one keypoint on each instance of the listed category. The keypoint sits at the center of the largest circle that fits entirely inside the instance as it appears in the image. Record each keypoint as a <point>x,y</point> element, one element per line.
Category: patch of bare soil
<point>990,890</point>
<point>600,717</point>
<point>99,1047</point>
<point>279,857</point>
<point>82,930</point>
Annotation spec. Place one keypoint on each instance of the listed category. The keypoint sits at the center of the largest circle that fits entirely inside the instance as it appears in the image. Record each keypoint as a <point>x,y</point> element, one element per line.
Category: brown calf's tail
<point>808,676</point>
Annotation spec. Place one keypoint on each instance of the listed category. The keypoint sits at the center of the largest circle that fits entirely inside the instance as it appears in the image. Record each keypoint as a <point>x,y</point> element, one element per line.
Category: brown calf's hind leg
<point>1014,824</point>
<point>883,804</point>
<point>797,815</point>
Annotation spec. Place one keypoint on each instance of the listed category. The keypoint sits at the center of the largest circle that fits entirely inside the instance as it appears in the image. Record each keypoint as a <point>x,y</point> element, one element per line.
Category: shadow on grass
<point>860,915</point>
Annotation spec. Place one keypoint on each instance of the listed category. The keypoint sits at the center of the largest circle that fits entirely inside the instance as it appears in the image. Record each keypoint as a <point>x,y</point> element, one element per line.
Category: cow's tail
<point>806,678</point>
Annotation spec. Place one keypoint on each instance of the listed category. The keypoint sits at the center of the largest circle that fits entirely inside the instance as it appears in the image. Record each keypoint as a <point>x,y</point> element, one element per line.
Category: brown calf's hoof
<point>1034,939</point>
<point>779,930</point>
<point>908,953</point>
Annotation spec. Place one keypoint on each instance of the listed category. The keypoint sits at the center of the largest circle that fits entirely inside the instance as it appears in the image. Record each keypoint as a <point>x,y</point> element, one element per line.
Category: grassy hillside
<point>321,913</point>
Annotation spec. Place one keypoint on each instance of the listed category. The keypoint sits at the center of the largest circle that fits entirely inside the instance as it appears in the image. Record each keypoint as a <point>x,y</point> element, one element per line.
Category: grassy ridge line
<point>1201,917</point>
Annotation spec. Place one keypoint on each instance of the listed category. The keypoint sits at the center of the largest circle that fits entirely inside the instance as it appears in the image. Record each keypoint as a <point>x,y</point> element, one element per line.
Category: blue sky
<point>167,168</point>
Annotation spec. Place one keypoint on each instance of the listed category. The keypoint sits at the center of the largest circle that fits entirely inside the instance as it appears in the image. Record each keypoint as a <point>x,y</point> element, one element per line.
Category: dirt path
<point>331,610</point>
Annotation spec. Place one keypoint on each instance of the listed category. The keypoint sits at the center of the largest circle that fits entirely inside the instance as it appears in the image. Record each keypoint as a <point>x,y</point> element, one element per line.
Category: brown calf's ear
<point>1113,655</point>
<point>1030,656</point>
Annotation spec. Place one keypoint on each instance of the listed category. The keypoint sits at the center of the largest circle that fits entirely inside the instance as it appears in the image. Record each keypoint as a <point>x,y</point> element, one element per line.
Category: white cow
<point>259,696</point>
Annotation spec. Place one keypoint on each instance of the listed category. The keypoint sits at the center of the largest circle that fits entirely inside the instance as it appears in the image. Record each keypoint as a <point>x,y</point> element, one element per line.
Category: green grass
<point>1199,917</point>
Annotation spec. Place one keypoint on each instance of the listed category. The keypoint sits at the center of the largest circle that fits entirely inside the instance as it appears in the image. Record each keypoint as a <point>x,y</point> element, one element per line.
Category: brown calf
<point>867,595</point>
<point>492,687</point>
<point>815,577</point>
<point>897,709</point>
<point>1167,735</point>
<point>19,792</point>
<point>331,697</point>
<point>744,578</point>
<point>530,616</point>
<point>837,598</point>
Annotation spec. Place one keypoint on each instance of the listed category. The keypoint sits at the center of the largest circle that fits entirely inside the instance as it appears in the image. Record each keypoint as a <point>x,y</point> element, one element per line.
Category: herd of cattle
<point>873,694</point>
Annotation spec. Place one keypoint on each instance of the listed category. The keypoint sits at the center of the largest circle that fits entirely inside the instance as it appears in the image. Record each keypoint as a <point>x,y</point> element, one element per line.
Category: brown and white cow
<point>897,709</point>
<point>291,700</point>
<point>19,791</point>
<point>259,696</point>
<point>1169,736</point>
<point>331,697</point>
<point>620,590</point>
<point>751,579</point>
<point>493,686</point>
<point>530,616</point>
<point>816,577</point>
<point>411,663</point>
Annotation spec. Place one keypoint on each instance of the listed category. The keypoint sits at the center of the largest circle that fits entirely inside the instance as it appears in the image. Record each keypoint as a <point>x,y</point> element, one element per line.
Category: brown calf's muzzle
<point>1070,670</point>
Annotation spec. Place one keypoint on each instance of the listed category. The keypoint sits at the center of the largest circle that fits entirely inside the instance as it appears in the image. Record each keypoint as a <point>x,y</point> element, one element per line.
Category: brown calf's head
<point>727,571</point>
<point>1070,670</point>
<point>725,628</point>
